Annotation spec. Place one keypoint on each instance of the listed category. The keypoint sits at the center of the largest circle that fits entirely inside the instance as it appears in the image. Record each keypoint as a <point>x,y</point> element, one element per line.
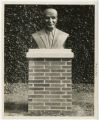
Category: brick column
<point>50,81</point>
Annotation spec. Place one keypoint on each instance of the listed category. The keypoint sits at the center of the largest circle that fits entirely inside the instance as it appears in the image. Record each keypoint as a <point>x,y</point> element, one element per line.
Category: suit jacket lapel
<point>55,37</point>
<point>44,39</point>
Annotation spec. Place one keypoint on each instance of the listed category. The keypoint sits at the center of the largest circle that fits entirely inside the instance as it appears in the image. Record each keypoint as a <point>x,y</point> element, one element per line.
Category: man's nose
<point>50,20</point>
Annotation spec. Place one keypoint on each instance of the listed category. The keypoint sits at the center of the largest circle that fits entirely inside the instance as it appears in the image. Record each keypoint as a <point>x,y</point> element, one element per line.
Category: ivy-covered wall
<point>20,21</point>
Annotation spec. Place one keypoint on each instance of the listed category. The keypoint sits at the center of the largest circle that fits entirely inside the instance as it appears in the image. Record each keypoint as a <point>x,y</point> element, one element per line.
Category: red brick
<point>30,77</point>
<point>52,81</point>
<point>57,100</point>
<point>40,107</point>
<point>36,89</point>
<point>30,107</point>
<point>36,81</point>
<point>58,78</point>
<point>52,88</point>
<point>36,96</point>
<point>42,78</point>
<point>41,92</point>
<point>30,65</point>
<point>66,81</point>
<point>66,59</point>
<point>36,103</point>
<point>30,87</point>
<point>53,67</point>
<point>36,74</point>
<point>59,70</point>
<point>52,112</point>
<point>37,107</point>
<point>52,104</point>
<point>66,67</point>
<point>40,100</point>
<point>52,74</point>
<point>69,100</point>
<point>35,112</point>
<point>66,74</point>
<point>69,63</point>
<point>41,63</point>
<point>67,104</point>
<point>30,84</point>
<point>57,63</point>
<point>69,108</point>
<point>37,59</point>
<point>30,70</point>
<point>29,99</point>
<point>69,78</point>
<point>66,96</point>
<point>41,85</point>
<point>57,92</point>
<point>66,88</point>
<point>31,62</point>
<point>30,92</point>
<point>57,85</point>
<point>52,96</point>
<point>69,85</point>
<point>36,67</point>
<point>41,70</point>
<point>58,107</point>
<point>69,92</point>
<point>52,59</point>
<point>69,70</point>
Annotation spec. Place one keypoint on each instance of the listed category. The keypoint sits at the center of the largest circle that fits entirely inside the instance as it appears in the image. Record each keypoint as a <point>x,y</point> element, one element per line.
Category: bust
<point>50,37</point>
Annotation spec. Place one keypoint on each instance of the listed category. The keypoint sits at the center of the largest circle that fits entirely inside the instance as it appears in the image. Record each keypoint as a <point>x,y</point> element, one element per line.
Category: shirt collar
<point>47,31</point>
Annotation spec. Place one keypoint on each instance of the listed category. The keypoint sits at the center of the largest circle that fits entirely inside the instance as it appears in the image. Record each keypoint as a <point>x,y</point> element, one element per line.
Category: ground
<point>16,104</point>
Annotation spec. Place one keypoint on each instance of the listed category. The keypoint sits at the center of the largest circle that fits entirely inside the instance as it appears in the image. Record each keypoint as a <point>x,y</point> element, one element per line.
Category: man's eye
<point>47,18</point>
<point>50,17</point>
<point>53,17</point>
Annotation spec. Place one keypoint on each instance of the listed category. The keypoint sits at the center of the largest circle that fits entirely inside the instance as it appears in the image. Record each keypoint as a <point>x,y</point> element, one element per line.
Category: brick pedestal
<point>50,82</point>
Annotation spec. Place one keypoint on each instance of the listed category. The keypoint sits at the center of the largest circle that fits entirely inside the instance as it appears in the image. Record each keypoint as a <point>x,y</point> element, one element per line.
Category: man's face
<point>50,18</point>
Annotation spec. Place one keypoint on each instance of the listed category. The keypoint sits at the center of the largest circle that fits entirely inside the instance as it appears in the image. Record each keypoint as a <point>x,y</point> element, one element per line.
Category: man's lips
<point>50,24</point>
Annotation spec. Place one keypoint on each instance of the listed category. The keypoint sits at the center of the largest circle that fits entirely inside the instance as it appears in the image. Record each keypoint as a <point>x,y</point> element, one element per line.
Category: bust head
<point>50,18</point>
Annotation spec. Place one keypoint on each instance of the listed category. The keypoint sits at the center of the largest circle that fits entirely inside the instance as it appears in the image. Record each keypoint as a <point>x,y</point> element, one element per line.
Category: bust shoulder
<point>62,33</point>
<point>38,32</point>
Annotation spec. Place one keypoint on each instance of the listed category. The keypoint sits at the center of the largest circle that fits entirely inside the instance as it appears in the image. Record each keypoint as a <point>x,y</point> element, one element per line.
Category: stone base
<point>49,113</point>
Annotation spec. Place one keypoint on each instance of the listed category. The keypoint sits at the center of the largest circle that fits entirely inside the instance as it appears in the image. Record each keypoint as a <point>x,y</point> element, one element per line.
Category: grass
<point>16,96</point>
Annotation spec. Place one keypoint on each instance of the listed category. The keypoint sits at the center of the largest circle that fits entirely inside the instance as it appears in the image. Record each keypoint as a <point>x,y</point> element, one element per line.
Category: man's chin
<point>51,27</point>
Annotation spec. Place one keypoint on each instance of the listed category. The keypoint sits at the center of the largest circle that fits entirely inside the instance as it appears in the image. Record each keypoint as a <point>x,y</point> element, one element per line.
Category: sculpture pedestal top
<point>50,53</point>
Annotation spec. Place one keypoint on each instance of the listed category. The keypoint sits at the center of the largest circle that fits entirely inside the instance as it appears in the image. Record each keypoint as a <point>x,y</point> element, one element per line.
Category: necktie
<point>50,38</point>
